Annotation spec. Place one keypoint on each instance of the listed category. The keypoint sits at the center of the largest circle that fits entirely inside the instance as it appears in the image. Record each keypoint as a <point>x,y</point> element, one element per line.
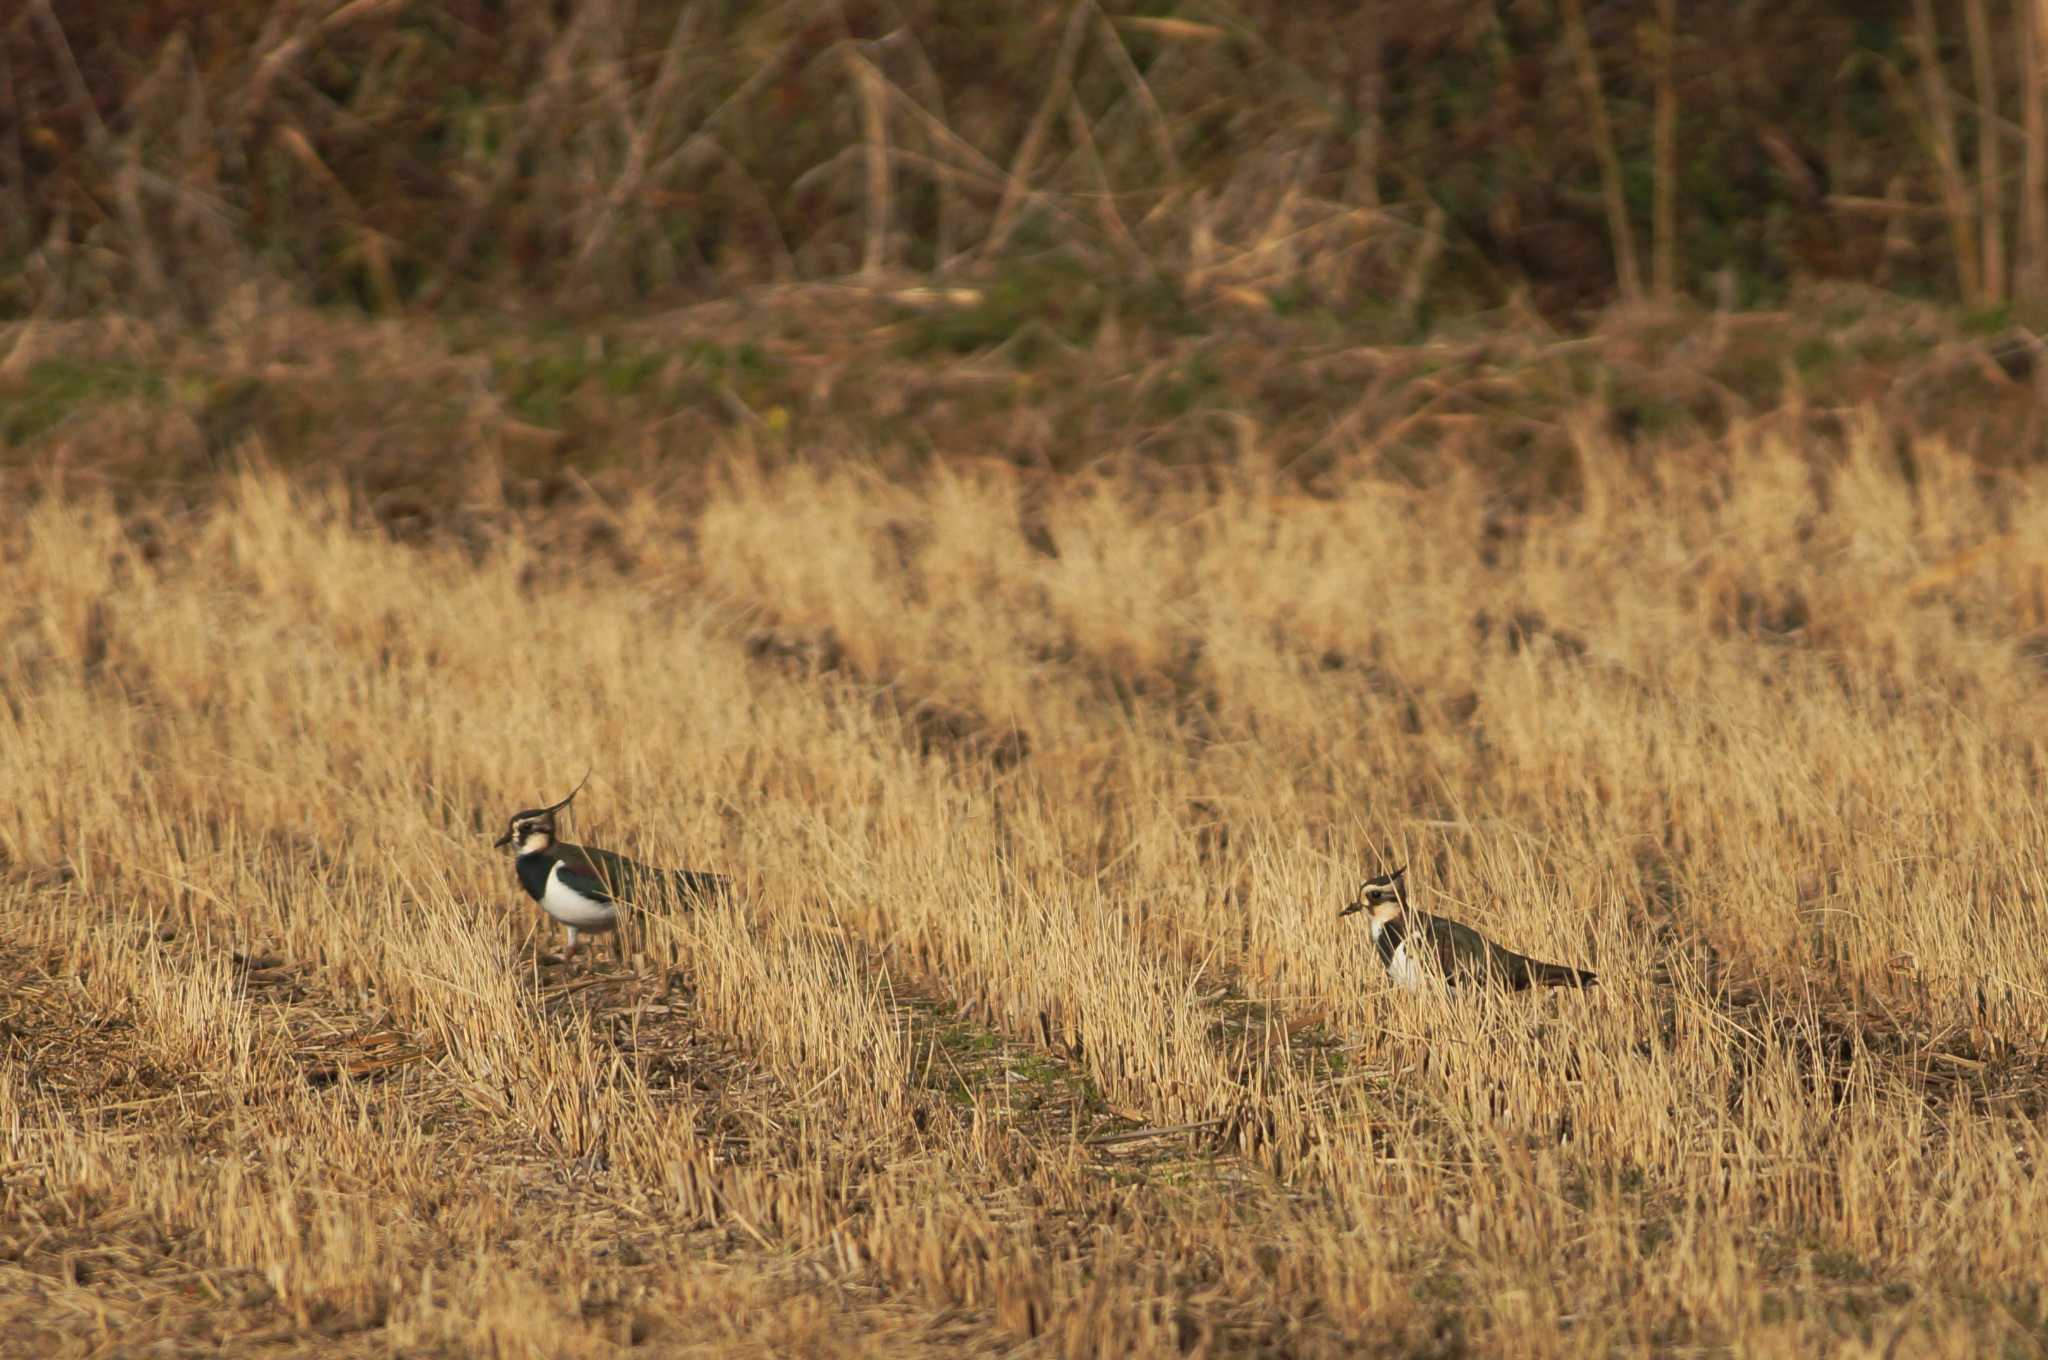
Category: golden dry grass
<point>1043,797</point>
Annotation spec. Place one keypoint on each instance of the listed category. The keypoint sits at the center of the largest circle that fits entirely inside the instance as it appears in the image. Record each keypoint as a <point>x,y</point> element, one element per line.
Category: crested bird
<point>583,887</point>
<point>1416,946</point>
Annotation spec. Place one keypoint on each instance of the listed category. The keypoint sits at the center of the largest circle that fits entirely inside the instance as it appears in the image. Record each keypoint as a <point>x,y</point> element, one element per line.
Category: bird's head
<point>532,829</point>
<point>1382,897</point>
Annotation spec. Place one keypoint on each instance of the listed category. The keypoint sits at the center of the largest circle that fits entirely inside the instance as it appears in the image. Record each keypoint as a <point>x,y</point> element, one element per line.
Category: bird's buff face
<point>529,831</point>
<point>533,829</point>
<point>1379,897</point>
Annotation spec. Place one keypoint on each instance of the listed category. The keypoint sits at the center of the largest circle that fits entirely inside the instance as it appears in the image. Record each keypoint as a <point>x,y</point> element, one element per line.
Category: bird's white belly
<point>1404,970</point>
<point>574,909</point>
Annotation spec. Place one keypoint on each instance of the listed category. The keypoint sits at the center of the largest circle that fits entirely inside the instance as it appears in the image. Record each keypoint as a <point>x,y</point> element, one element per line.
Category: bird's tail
<point>1560,975</point>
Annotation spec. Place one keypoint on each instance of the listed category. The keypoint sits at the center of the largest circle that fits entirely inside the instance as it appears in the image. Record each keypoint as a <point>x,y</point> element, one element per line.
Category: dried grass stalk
<point>2032,21</point>
<point>1955,193</point>
<point>1664,208</point>
<point>874,120</point>
<point>1017,186</point>
<point>1990,181</point>
<point>1620,237</point>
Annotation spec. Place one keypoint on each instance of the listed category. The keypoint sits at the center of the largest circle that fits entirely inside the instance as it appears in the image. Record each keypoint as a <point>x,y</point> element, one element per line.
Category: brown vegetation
<point>1033,1028</point>
<point>1386,164</point>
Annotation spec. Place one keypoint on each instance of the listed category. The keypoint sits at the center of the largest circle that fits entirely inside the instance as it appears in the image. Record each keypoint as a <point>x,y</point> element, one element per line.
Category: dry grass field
<point>1032,1029</point>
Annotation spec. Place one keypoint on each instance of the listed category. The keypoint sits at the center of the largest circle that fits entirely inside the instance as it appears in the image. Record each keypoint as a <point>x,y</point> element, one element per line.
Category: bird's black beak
<point>1354,905</point>
<point>502,841</point>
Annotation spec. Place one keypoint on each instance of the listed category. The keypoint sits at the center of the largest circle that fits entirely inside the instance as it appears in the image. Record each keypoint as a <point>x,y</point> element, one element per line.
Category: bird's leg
<point>570,952</point>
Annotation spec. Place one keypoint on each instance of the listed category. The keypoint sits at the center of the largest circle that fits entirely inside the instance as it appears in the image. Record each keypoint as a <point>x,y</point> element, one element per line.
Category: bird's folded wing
<point>583,872</point>
<point>1462,949</point>
<point>627,878</point>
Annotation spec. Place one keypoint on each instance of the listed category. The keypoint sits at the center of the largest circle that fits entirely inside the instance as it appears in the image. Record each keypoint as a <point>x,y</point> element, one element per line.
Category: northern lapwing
<point>1416,946</point>
<point>583,887</point>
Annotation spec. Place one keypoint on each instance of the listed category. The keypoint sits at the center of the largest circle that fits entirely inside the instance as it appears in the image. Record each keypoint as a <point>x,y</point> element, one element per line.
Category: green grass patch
<point>964,1061</point>
<point>52,391</point>
<point>541,388</point>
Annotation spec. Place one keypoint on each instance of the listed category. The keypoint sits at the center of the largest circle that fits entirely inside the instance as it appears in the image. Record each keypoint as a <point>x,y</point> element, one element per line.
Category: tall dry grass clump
<point>1032,1025</point>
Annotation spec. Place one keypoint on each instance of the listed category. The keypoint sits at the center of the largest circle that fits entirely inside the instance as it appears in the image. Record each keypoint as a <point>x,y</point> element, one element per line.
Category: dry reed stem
<point>66,61</point>
<point>1017,181</point>
<point>640,135</point>
<point>1941,136</point>
<point>1105,193</point>
<point>1156,122</point>
<point>874,119</point>
<point>1620,237</point>
<point>932,92</point>
<point>1429,247</point>
<point>1990,180</point>
<point>1363,181</point>
<point>2032,275</point>
<point>1664,152</point>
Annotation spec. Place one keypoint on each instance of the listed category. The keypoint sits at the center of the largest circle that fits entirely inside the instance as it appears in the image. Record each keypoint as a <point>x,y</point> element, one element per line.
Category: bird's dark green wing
<point>629,879</point>
<point>584,873</point>
<point>1464,953</point>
